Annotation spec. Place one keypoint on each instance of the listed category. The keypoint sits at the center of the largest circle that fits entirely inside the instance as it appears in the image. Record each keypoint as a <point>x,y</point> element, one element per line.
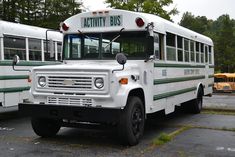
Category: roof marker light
<point>139,22</point>
<point>65,27</point>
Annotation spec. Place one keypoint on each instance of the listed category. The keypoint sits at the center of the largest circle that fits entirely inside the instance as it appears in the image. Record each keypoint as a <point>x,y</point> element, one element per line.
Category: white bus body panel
<point>14,91</point>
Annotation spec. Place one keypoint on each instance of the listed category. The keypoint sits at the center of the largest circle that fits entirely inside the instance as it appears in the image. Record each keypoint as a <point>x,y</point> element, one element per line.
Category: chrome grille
<point>70,82</point>
<point>69,101</point>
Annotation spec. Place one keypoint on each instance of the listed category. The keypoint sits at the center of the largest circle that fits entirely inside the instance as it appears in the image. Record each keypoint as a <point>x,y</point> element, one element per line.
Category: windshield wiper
<point>115,38</point>
<point>85,35</point>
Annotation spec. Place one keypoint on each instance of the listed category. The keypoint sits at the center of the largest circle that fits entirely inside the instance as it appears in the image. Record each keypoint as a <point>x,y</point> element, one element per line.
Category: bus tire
<point>196,105</point>
<point>132,119</point>
<point>45,127</point>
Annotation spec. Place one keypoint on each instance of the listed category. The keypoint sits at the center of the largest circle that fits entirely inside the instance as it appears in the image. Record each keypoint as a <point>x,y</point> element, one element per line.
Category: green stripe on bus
<point>166,65</point>
<point>14,89</point>
<point>211,76</point>
<point>211,66</point>
<point>28,63</point>
<point>179,79</point>
<point>14,77</point>
<point>173,93</point>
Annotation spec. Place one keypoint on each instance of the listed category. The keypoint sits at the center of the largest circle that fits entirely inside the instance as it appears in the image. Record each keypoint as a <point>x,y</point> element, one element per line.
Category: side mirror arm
<point>118,69</point>
<point>16,59</point>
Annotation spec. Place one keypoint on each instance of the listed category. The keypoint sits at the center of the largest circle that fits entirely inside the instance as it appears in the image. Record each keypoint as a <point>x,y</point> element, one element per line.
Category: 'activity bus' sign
<point>102,21</point>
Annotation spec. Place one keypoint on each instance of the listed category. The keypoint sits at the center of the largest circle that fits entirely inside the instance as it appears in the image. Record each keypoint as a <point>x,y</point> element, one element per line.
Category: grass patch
<point>164,138</point>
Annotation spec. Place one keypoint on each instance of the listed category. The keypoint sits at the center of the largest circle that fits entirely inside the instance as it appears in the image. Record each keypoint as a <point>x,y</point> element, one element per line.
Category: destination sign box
<point>101,21</point>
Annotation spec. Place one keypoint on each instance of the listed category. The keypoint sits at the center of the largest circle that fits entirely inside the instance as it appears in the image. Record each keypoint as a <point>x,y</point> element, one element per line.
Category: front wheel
<point>132,119</point>
<point>45,127</point>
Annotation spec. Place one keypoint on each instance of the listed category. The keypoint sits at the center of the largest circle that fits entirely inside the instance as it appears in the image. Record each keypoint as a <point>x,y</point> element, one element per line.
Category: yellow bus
<point>224,82</point>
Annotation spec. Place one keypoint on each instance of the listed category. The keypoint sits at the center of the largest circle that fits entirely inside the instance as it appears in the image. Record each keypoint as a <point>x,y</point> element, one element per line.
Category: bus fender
<point>200,86</point>
<point>124,91</point>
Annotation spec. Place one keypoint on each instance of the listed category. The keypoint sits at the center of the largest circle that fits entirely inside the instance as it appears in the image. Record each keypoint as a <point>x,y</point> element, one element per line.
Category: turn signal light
<point>139,22</point>
<point>123,81</point>
<point>65,27</point>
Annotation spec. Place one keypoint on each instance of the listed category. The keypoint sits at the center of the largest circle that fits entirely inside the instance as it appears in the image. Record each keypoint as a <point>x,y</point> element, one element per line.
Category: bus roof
<point>115,20</point>
<point>224,75</point>
<point>22,30</point>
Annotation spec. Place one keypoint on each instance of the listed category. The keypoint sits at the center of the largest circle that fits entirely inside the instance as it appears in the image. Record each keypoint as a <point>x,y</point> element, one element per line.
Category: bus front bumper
<point>80,114</point>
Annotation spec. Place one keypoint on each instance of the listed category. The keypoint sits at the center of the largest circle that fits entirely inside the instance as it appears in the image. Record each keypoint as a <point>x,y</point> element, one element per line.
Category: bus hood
<point>101,65</point>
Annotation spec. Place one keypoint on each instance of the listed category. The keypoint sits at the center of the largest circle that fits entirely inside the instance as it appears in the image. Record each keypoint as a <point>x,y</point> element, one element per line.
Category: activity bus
<point>136,64</point>
<point>224,82</point>
<point>29,43</point>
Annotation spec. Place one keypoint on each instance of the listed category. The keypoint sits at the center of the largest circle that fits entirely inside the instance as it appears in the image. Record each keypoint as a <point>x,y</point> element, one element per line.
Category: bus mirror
<point>150,47</point>
<point>16,59</point>
<point>121,58</point>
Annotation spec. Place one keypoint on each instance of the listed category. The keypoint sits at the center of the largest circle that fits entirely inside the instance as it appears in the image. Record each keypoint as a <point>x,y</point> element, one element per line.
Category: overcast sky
<point>212,9</point>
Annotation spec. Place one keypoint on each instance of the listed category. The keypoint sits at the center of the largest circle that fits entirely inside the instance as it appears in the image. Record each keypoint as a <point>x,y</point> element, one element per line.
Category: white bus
<point>167,65</point>
<point>29,43</point>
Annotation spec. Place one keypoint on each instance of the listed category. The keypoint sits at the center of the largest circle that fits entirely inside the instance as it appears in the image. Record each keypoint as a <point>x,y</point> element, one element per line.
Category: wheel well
<point>201,87</point>
<point>139,93</point>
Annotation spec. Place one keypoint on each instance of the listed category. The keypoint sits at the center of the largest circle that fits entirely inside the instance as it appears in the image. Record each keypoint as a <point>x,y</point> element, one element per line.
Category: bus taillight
<point>65,27</point>
<point>139,22</point>
<point>29,80</point>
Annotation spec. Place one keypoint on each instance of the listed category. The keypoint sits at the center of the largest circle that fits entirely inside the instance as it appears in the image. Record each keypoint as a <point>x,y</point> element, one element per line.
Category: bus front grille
<point>70,82</point>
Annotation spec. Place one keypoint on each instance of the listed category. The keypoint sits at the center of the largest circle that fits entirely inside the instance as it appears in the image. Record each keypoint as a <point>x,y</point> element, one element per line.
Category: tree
<point>225,44</point>
<point>56,11</point>
<point>222,32</point>
<point>44,13</point>
<point>199,24</point>
<point>146,6</point>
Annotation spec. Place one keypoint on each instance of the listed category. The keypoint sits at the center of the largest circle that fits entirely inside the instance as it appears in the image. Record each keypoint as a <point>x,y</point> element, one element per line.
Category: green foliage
<point>162,139</point>
<point>146,6</point>
<point>44,13</point>
<point>222,32</point>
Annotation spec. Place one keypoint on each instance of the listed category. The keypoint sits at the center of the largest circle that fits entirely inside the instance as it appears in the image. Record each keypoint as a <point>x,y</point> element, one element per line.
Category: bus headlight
<point>42,81</point>
<point>99,82</point>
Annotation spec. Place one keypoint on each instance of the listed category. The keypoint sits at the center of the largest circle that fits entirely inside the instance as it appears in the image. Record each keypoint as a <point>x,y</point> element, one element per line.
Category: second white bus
<point>29,43</point>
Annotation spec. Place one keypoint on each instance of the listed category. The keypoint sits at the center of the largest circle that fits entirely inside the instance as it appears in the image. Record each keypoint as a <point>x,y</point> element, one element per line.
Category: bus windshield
<point>105,45</point>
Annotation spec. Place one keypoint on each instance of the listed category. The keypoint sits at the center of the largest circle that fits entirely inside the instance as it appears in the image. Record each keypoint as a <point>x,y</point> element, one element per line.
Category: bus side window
<point>202,53</point>
<point>171,46</point>
<point>192,51</point>
<point>186,50</point>
<point>161,46</point>
<point>156,45</point>
<point>35,49</point>
<point>180,48</point>
<point>14,45</point>
<point>210,55</point>
<point>197,52</point>
<point>206,53</point>
<point>49,50</point>
<point>59,50</point>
